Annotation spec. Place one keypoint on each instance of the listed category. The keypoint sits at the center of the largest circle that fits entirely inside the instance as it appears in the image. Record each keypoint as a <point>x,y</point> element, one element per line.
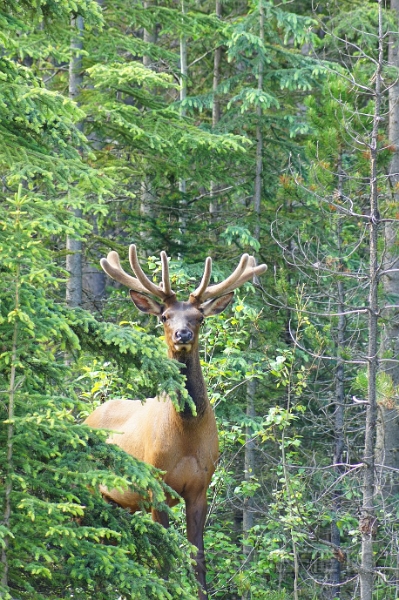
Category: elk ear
<point>146,304</point>
<point>216,305</point>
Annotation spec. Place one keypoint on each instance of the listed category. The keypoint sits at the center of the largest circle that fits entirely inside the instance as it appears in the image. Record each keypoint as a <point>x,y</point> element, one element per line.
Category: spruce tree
<point>58,536</point>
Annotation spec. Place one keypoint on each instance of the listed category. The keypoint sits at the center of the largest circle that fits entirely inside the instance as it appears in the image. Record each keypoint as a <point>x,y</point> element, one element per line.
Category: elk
<point>182,444</point>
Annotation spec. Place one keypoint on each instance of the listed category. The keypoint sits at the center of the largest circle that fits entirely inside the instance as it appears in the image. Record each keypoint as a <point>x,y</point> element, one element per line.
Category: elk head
<point>181,320</point>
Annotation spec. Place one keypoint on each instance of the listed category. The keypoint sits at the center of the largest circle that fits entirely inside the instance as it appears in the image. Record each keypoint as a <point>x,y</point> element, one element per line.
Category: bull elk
<point>183,445</point>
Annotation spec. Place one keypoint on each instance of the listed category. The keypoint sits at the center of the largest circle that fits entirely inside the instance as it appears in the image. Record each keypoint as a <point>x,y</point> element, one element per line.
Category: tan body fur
<point>154,432</point>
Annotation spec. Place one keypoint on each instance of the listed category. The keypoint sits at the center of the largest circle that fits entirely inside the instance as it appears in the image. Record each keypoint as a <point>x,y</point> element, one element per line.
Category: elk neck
<point>195,384</point>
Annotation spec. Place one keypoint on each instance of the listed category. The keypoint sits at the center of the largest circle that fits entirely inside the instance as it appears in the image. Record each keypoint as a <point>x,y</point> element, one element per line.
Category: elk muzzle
<point>183,339</point>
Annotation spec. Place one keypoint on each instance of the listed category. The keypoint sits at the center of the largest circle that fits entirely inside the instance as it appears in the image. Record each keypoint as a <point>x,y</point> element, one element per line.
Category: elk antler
<point>245,271</point>
<point>112,267</point>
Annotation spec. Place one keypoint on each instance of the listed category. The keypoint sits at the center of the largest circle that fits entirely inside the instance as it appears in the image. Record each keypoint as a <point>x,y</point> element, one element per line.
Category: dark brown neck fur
<point>195,383</point>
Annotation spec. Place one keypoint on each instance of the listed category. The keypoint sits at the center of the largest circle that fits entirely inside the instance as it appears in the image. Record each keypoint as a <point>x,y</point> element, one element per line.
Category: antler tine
<point>197,294</point>
<point>165,275</point>
<point>249,273</point>
<point>113,269</point>
<point>149,286</point>
<point>223,287</point>
<point>245,271</point>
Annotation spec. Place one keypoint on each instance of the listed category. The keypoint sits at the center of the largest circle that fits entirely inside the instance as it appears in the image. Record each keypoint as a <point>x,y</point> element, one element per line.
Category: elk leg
<point>160,516</point>
<point>195,517</point>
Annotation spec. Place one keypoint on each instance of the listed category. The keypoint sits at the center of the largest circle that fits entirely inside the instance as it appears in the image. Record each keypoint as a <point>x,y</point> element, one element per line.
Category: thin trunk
<point>213,205</point>
<point>290,497</point>
<point>74,246</point>
<point>367,516</point>
<point>146,204</point>
<point>9,467</point>
<point>93,277</point>
<point>396,575</point>
<point>259,134</point>
<point>387,446</point>
<point>149,37</point>
<point>183,96</point>
<point>249,458</point>
<point>249,467</point>
<point>339,409</point>
<point>216,73</point>
<point>339,435</point>
<point>93,281</point>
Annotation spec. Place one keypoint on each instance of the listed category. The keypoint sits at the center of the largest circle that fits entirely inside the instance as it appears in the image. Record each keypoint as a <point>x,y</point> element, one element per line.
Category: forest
<point>266,127</point>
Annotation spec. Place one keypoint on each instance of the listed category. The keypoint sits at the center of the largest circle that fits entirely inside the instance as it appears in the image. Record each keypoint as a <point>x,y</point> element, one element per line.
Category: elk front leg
<point>160,516</point>
<point>195,517</point>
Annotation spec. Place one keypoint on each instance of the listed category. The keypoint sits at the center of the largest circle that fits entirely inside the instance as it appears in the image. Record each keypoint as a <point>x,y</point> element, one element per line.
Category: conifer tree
<point>58,537</point>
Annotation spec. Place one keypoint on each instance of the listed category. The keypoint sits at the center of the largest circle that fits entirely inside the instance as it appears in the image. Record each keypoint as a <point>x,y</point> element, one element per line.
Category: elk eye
<point>163,319</point>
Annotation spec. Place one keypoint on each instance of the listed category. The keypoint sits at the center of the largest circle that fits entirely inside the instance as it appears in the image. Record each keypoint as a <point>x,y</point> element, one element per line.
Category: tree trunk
<point>213,205</point>
<point>9,467</point>
<point>249,467</point>
<point>93,282</point>
<point>339,405</point>
<point>387,447</point>
<point>147,196</point>
<point>338,436</point>
<point>367,521</point>
<point>73,245</point>
<point>249,458</point>
<point>183,96</point>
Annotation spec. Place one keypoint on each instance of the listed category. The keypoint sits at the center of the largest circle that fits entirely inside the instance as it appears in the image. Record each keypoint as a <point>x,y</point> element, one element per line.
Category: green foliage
<point>137,360</point>
<point>357,27</point>
<point>52,12</point>
<point>60,534</point>
<point>145,167</point>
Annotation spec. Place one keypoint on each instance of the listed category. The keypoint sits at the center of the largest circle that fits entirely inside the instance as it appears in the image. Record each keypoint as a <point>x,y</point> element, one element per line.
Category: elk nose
<point>184,336</point>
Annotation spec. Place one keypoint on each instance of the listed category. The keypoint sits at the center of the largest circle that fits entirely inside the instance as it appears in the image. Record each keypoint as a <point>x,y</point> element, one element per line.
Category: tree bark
<point>183,96</point>
<point>10,438</point>
<point>93,284</point>
<point>249,458</point>
<point>387,446</point>
<point>147,196</point>
<point>339,405</point>
<point>73,245</point>
<point>367,522</point>
<point>213,205</point>
<point>249,467</point>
